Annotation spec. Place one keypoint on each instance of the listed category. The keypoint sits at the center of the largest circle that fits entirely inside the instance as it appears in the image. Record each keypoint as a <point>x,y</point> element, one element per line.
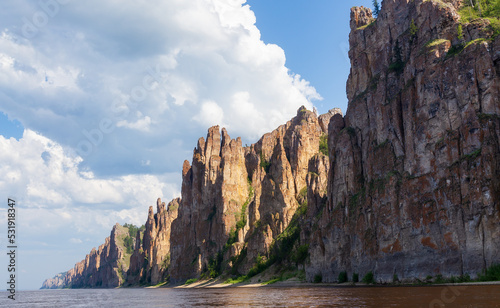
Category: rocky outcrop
<point>104,267</point>
<point>56,282</point>
<point>214,190</point>
<point>151,257</point>
<point>235,202</point>
<point>278,165</point>
<point>237,199</point>
<point>324,119</point>
<point>413,187</point>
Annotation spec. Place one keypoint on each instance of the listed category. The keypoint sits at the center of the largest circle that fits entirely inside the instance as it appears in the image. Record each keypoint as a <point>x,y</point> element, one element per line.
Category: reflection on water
<point>435,296</point>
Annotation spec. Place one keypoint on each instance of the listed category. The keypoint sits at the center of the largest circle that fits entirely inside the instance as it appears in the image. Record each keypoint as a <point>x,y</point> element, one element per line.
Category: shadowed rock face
<point>413,188</point>
<point>150,260</point>
<point>410,186</point>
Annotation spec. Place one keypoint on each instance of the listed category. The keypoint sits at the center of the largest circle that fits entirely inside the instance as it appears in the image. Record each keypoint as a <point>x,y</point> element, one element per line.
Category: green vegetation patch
<point>239,279</point>
<point>214,268</point>
<point>357,199</point>
<point>491,274</point>
<point>342,277</point>
<point>323,144</point>
<point>301,254</point>
<point>473,155</point>
<point>413,29</point>
<point>398,65</point>
<point>369,278</point>
<point>266,165</point>
<point>482,9</point>
<point>285,276</point>
<point>367,25</point>
<point>191,281</point>
<point>282,248</point>
<point>476,41</point>
<point>302,196</point>
<point>434,43</point>
<point>274,280</point>
<point>128,241</point>
<point>242,221</point>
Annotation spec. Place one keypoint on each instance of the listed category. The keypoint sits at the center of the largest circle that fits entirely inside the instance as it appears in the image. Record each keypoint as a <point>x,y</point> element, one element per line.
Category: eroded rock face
<point>236,198</point>
<point>214,189</point>
<point>413,188</point>
<point>104,267</point>
<point>324,119</point>
<point>288,151</point>
<point>150,260</point>
<point>361,17</point>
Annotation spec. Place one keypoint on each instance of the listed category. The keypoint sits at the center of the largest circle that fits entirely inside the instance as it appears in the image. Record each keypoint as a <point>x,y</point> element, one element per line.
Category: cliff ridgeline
<point>406,184</point>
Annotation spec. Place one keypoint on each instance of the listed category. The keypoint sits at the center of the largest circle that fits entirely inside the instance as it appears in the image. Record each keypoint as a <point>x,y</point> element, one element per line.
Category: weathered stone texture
<point>414,165</point>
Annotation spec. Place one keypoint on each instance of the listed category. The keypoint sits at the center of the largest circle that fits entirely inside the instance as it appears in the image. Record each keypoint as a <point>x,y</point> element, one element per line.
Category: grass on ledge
<point>239,279</point>
<point>367,25</point>
<point>274,280</point>
<point>160,284</point>
<point>432,45</point>
<point>190,281</point>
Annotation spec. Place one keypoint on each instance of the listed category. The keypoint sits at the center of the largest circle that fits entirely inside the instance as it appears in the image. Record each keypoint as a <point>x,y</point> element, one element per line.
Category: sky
<point>102,101</point>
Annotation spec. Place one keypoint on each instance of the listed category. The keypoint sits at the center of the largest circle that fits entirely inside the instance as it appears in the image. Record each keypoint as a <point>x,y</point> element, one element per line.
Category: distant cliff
<point>406,184</point>
<point>104,267</point>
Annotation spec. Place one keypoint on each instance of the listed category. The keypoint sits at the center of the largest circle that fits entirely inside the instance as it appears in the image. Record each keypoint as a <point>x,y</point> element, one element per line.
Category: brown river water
<point>428,296</point>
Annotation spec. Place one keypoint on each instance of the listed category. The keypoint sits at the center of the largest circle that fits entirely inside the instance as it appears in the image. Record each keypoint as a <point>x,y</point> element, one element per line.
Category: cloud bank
<point>156,72</point>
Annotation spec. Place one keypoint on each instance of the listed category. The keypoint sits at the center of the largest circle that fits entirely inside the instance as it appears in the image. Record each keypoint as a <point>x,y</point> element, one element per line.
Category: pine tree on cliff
<point>376,7</point>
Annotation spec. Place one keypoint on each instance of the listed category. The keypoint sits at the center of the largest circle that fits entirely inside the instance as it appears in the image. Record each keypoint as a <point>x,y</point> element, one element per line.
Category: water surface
<point>432,296</point>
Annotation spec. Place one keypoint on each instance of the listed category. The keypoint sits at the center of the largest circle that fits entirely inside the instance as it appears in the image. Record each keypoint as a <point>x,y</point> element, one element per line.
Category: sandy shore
<point>255,282</point>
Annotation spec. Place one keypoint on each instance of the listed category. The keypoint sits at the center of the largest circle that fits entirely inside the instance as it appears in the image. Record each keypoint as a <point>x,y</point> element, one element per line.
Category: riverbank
<point>295,283</point>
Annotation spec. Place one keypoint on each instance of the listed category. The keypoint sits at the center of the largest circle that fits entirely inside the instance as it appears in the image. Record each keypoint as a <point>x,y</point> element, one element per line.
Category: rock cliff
<point>413,188</point>
<point>56,282</point>
<point>236,200</point>
<point>104,267</point>
<point>405,185</point>
<point>151,256</point>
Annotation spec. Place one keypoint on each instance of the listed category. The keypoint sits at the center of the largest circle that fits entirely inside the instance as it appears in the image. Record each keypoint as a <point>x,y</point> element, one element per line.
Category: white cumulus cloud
<point>135,84</point>
<point>156,69</point>
<point>43,176</point>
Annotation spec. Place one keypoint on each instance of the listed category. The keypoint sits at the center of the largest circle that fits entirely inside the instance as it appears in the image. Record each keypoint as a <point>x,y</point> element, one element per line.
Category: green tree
<point>482,8</point>
<point>342,277</point>
<point>376,8</point>
<point>264,163</point>
<point>460,33</point>
<point>369,278</point>
<point>413,28</point>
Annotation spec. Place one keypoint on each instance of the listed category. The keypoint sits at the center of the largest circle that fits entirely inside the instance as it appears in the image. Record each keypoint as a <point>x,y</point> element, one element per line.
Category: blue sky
<point>100,102</point>
<point>11,127</point>
<point>314,35</point>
